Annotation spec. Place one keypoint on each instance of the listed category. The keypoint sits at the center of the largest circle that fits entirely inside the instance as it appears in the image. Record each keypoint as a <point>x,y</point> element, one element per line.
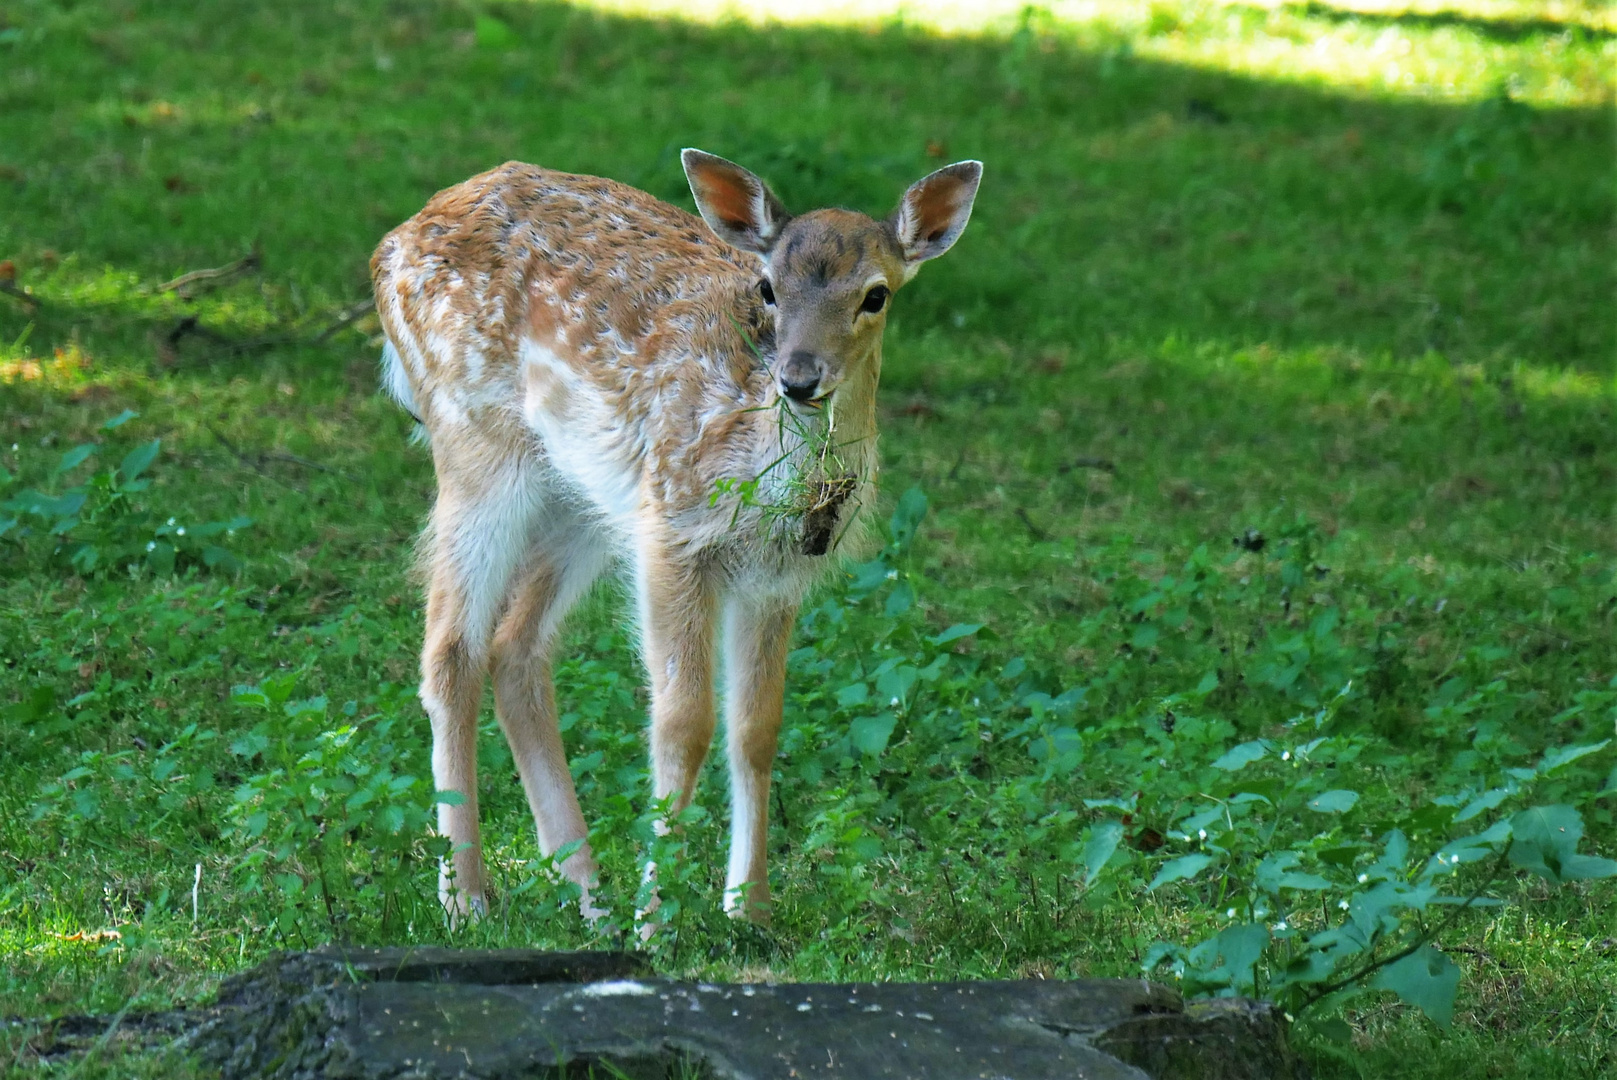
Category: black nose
<point>800,376</point>
<point>800,391</point>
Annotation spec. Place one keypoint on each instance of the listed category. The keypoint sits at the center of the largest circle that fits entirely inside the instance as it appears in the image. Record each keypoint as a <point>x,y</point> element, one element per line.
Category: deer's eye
<point>875,299</point>
<point>766,290</point>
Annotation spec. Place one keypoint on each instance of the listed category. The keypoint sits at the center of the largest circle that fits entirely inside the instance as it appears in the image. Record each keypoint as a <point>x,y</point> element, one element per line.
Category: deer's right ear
<point>735,204</point>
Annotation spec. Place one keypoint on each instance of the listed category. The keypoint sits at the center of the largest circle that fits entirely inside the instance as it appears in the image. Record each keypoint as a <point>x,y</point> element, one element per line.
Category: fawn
<point>602,380</point>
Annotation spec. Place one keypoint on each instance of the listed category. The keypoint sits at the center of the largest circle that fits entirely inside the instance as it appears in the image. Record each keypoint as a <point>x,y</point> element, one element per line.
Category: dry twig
<point>9,287</point>
<point>256,462</point>
<point>349,314</point>
<point>238,346</point>
<point>199,281</point>
<point>1038,534</point>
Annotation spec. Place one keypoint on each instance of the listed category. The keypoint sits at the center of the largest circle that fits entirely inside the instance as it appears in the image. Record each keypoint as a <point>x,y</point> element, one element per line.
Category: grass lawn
<point>1264,418</point>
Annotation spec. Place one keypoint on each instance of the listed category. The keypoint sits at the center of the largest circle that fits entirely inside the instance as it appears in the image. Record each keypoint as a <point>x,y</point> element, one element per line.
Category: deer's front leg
<point>676,618</point>
<point>756,636</point>
<point>677,603</point>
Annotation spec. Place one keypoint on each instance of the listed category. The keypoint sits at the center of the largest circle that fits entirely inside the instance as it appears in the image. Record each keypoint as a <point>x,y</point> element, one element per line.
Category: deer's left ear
<point>735,204</point>
<point>934,211</point>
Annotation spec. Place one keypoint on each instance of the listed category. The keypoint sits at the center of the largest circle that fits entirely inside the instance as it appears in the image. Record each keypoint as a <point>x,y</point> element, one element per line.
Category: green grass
<point>1220,278</point>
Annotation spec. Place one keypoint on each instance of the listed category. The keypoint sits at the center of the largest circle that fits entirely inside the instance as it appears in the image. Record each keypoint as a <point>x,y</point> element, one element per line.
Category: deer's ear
<point>735,204</point>
<point>934,211</point>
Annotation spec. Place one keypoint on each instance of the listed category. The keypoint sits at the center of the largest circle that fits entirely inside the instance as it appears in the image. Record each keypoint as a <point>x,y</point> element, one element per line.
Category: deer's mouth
<point>807,406</point>
<point>814,404</point>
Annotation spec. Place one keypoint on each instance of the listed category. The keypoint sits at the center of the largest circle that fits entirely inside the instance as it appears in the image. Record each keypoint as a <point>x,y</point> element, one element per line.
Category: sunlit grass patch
<point>63,371</point>
<point>1331,369</point>
<point>1506,15</point>
<point>1561,55</point>
<point>1385,51</point>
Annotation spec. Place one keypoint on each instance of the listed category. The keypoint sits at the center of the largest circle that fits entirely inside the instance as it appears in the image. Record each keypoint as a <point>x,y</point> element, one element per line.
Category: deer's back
<point>627,293</point>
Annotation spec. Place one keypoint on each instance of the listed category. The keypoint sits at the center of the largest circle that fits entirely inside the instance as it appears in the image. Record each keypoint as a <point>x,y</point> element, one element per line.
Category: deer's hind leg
<point>559,570</point>
<point>480,529</point>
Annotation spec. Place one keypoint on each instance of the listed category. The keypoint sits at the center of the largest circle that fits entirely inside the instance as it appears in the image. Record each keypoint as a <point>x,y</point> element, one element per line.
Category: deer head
<point>830,274</point>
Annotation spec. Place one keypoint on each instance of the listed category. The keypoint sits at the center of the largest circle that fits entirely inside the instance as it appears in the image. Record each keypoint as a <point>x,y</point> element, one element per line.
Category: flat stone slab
<point>370,1014</point>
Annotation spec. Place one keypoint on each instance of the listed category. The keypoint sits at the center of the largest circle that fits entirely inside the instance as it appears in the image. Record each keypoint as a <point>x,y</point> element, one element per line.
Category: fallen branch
<point>293,459</point>
<point>1103,464</point>
<point>235,347</point>
<point>1038,534</point>
<point>258,461</point>
<point>10,287</point>
<point>349,315</point>
<point>256,466</point>
<point>198,281</point>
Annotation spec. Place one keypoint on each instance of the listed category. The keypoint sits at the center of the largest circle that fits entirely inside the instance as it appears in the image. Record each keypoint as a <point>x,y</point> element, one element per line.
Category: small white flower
<point>1230,914</point>
<point>1363,878</point>
<point>171,521</point>
<point>13,448</point>
<point>976,701</point>
<point>892,575</point>
<point>1343,904</point>
<point>1201,834</point>
<point>151,545</point>
<point>893,702</point>
<point>1281,925</point>
<point>180,531</point>
<point>1286,756</point>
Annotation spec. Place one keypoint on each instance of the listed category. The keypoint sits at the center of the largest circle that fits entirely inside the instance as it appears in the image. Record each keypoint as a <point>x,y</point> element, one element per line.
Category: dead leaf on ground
<point>91,394</point>
<point>1147,839</point>
<point>918,407</point>
<point>1183,492</point>
<point>90,937</point>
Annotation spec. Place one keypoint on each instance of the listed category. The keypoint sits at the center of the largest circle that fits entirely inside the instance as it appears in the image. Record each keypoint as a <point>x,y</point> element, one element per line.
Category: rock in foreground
<point>508,1014</point>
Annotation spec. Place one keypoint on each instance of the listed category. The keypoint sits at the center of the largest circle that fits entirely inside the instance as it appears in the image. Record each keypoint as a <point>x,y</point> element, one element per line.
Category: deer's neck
<point>852,416</point>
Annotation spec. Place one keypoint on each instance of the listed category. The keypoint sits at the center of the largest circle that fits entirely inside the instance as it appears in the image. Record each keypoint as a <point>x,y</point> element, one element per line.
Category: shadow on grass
<point>1502,29</point>
<point>1125,199</point>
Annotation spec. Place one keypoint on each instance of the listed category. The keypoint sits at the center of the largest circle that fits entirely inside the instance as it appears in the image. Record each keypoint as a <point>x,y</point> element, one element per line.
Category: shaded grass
<point>1192,303</point>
